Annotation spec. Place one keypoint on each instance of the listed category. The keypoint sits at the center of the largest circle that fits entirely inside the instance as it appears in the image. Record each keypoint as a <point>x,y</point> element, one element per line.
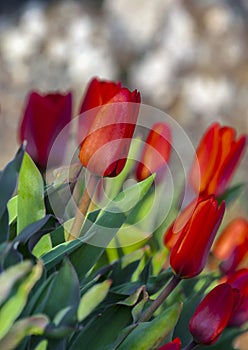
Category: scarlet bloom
<point>173,232</point>
<point>43,119</point>
<point>231,246</point>
<point>109,128</point>
<point>190,252</point>
<point>156,152</point>
<point>212,314</point>
<point>172,345</point>
<point>217,157</point>
<point>239,281</point>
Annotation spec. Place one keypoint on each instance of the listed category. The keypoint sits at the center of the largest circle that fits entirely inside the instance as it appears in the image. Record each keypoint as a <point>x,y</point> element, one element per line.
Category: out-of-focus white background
<point>188,58</point>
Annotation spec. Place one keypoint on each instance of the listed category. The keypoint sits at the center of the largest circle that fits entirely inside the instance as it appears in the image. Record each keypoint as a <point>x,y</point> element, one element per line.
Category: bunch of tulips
<point>201,265</point>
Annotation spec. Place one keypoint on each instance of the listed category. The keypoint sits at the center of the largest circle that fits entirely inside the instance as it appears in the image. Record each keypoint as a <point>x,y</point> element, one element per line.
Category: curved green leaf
<point>92,298</point>
<point>34,325</point>
<point>30,205</point>
<point>13,306</point>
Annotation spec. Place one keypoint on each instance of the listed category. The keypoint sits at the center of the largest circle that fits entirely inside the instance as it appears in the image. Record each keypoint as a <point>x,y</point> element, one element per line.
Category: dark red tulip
<point>231,245</point>
<point>239,281</point>
<point>212,315</point>
<point>105,132</point>
<point>190,252</point>
<point>156,152</point>
<point>172,345</point>
<point>43,119</point>
<point>217,157</point>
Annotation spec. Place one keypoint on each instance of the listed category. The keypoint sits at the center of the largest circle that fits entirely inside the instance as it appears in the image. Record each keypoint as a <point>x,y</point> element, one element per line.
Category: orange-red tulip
<point>212,314</point>
<point>173,232</point>
<point>43,119</point>
<point>217,157</point>
<point>156,152</point>
<point>190,252</point>
<point>232,245</point>
<point>109,127</point>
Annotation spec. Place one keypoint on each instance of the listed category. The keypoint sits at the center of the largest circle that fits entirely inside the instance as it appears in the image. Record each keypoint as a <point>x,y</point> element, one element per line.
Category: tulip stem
<point>83,207</point>
<point>192,345</point>
<point>160,299</point>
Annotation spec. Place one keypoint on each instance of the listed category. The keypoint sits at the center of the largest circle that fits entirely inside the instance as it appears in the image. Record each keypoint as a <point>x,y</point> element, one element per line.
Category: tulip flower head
<point>172,345</point>
<point>217,157</point>
<point>173,232</point>
<point>190,252</point>
<point>156,152</point>
<point>231,245</point>
<point>109,128</point>
<point>43,119</point>
<point>212,315</point>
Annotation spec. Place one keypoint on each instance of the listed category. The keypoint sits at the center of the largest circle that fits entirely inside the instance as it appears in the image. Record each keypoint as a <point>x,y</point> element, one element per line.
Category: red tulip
<point>190,252</point>
<point>239,281</point>
<point>172,345</point>
<point>44,117</point>
<point>231,246</point>
<point>156,152</point>
<point>109,128</point>
<point>173,232</point>
<point>217,156</point>
<point>212,315</point>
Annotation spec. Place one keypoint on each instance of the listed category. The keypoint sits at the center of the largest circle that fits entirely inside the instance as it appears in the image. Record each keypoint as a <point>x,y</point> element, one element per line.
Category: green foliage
<point>91,292</point>
<point>30,202</point>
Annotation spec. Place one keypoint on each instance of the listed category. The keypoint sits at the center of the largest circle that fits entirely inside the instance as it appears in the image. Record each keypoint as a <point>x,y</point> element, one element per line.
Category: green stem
<point>83,207</point>
<point>191,345</point>
<point>160,299</point>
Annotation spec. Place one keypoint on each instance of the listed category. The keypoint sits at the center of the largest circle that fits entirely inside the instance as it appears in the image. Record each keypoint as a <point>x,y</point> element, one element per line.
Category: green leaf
<point>13,306</point>
<point>133,298</point>
<point>42,345</point>
<point>34,325</point>
<point>12,209</point>
<point>43,246</point>
<point>232,193</point>
<point>92,298</point>
<point>10,276</point>
<point>32,233</point>
<point>31,207</point>
<point>103,329</point>
<point>8,179</point>
<point>55,255</point>
<point>65,294</point>
<point>39,298</point>
<point>4,227</point>
<point>149,335</point>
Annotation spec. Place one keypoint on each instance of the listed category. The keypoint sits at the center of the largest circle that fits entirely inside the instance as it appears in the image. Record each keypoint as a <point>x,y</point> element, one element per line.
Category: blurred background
<point>188,58</point>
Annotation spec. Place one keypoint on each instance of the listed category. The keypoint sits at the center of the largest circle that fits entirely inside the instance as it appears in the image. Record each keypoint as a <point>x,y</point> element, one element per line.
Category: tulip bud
<point>43,119</point>
<point>217,157</point>
<point>190,252</point>
<point>108,128</point>
<point>156,152</point>
<point>231,245</point>
<point>212,315</point>
<point>172,345</point>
